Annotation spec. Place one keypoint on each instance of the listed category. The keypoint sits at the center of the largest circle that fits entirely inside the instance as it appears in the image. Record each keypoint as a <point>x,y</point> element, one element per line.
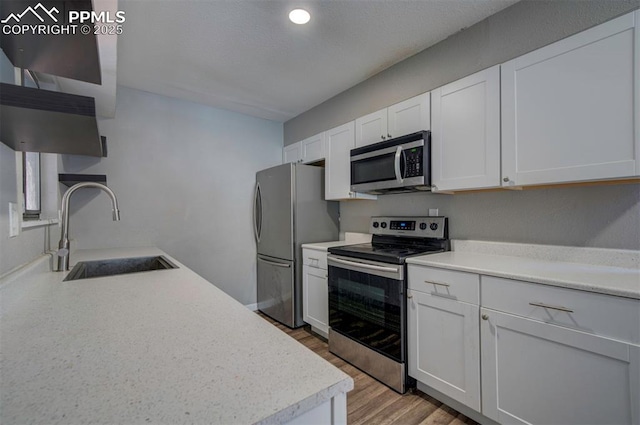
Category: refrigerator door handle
<point>273,263</point>
<point>257,225</point>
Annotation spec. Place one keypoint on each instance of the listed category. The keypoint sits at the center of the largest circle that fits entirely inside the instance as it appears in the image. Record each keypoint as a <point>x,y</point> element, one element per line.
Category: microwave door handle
<point>396,164</point>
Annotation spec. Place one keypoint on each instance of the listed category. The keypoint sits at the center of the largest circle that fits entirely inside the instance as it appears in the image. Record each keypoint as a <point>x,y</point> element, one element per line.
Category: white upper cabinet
<point>337,175</point>
<point>371,128</point>
<point>465,134</point>
<point>292,153</point>
<point>313,148</point>
<point>306,151</point>
<point>409,116</point>
<point>568,108</point>
<point>403,118</point>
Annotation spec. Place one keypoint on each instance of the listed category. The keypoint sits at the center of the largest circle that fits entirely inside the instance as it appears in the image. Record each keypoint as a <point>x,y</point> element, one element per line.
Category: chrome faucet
<point>63,245</point>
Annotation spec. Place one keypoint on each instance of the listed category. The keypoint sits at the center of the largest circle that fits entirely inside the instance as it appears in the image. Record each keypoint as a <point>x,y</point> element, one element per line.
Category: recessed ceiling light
<point>299,16</point>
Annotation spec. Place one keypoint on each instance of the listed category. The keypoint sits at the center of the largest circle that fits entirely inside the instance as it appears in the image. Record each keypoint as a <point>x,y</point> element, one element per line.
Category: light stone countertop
<point>350,239</point>
<point>539,268</point>
<point>155,347</point>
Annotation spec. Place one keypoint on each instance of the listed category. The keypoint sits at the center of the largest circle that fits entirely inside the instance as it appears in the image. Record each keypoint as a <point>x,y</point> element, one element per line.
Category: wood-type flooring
<point>371,402</point>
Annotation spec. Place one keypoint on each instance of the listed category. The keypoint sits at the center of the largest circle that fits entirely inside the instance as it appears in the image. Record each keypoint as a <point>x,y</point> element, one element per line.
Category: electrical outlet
<point>14,220</point>
<point>433,212</point>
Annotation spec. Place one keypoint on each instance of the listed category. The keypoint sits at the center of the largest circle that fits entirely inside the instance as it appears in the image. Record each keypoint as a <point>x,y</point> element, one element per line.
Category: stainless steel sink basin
<point>117,266</point>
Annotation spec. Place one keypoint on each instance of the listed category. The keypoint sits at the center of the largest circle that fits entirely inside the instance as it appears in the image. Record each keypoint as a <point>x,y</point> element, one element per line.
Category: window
<point>31,185</point>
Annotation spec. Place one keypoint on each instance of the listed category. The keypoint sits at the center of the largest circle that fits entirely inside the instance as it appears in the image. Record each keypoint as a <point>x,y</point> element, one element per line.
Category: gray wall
<point>516,30</point>
<point>604,216</point>
<point>30,243</point>
<point>184,175</point>
<point>598,216</point>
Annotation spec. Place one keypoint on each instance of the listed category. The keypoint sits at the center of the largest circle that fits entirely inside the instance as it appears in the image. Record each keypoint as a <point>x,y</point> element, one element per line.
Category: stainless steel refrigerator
<point>289,210</point>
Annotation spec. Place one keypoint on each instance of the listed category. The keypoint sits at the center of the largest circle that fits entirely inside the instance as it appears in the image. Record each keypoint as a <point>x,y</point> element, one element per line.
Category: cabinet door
<point>409,116</point>
<point>292,153</point>
<point>337,174</point>
<point>313,148</point>
<point>315,298</point>
<point>568,108</point>
<point>465,138</point>
<point>536,373</point>
<point>444,346</point>
<point>371,128</point>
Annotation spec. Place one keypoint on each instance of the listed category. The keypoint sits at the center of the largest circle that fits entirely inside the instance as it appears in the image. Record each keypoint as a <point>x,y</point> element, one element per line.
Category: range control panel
<point>420,227</point>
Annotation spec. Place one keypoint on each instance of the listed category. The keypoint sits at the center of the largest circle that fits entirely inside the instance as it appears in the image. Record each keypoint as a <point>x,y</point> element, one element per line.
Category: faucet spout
<point>63,245</point>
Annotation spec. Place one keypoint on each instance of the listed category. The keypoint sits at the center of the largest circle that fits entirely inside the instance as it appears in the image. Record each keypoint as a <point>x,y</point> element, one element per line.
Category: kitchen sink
<point>118,266</point>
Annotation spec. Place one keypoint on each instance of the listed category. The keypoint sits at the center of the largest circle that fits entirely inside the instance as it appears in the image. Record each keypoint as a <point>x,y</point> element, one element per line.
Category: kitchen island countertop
<point>155,347</point>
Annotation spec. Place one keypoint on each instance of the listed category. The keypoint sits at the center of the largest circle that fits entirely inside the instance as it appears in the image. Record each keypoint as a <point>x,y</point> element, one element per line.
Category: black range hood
<point>69,54</point>
<point>35,120</point>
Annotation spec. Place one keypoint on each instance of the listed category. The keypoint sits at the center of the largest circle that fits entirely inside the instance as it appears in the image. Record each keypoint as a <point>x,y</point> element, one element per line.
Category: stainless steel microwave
<point>402,164</point>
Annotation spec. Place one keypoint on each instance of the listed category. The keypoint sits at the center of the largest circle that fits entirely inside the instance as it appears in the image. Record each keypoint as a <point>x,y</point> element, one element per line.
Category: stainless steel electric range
<point>368,295</point>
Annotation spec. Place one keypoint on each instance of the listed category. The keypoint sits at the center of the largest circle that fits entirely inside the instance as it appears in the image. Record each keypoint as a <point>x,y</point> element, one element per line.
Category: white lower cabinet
<point>554,355</point>
<point>537,373</point>
<point>443,332</point>
<point>527,353</point>
<point>444,346</point>
<point>315,291</point>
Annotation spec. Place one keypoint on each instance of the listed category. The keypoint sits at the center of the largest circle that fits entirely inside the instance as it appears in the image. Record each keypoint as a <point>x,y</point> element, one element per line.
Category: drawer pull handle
<point>436,283</point>
<point>313,259</point>
<point>552,307</point>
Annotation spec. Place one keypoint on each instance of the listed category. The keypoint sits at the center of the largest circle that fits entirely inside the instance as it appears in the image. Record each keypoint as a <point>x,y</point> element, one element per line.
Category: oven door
<point>367,304</point>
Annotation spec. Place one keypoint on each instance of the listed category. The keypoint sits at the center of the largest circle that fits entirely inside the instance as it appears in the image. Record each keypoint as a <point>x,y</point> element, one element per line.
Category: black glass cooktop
<point>391,250</point>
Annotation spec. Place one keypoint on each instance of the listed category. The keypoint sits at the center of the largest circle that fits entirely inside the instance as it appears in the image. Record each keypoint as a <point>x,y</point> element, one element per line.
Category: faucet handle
<point>62,252</point>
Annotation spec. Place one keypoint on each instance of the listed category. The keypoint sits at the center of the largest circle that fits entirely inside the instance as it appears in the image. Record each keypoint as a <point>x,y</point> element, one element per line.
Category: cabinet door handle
<point>506,179</point>
<point>409,296</point>
<point>388,135</point>
<point>485,317</point>
<point>437,283</point>
<point>552,307</point>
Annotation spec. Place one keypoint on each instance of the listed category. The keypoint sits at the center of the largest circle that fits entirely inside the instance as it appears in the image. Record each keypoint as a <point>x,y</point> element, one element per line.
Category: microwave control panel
<point>414,166</point>
<point>420,227</point>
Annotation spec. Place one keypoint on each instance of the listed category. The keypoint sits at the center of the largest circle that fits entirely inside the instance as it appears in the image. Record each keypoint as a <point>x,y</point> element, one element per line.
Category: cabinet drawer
<point>460,286</point>
<point>313,258</point>
<point>599,314</point>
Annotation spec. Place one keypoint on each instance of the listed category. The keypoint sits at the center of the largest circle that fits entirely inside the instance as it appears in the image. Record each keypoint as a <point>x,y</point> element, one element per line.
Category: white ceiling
<point>246,56</point>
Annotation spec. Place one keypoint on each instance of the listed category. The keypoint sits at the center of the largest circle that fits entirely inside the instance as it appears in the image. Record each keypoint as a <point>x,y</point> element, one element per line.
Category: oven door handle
<point>365,266</point>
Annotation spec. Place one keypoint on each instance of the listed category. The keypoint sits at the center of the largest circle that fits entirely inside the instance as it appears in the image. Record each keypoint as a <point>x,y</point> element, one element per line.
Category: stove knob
<point>375,224</point>
<point>433,226</point>
<point>383,225</point>
<point>423,226</point>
